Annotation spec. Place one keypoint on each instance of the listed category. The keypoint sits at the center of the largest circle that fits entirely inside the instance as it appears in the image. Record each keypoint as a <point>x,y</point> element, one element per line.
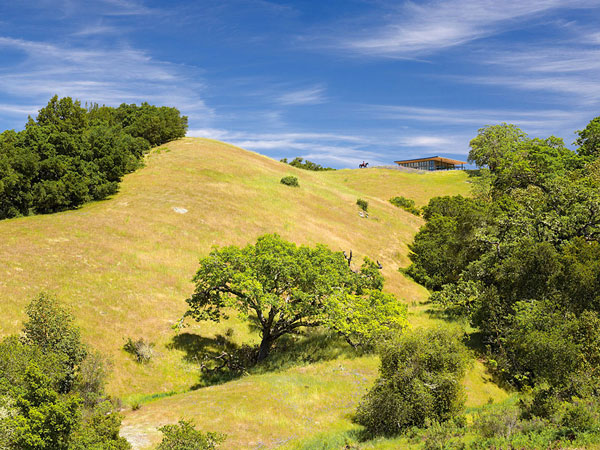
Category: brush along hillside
<point>124,267</point>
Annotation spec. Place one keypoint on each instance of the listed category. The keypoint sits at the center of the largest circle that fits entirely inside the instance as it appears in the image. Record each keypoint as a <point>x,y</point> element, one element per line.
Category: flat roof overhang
<point>433,158</point>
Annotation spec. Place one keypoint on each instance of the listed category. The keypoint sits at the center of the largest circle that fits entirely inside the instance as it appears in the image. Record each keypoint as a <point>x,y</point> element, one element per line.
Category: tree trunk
<point>265,346</point>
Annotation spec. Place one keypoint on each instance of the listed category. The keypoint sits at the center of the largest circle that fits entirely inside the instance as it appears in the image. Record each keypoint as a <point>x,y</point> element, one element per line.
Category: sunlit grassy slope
<point>124,267</point>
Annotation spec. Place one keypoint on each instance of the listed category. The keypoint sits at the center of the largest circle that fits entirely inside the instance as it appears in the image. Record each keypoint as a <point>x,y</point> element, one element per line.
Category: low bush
<point>290,181</point>
<point>419,382</point>
<point>494,422</point>
<point>578,418</point>
<point>406,204</point>
<point>362,204</point>
<point>184,436</point>
<point>142,350</point>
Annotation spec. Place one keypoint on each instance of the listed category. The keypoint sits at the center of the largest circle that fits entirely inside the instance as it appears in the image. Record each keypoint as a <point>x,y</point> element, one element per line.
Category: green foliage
<point>99,430</point>
<point>70,155</point>
<point>50,328</point>
<point>419,382</point>
<point>91,379</point>
<point>504,426</point>
<point>589,139</point>
<point>445,245</point>
<point>43,418</point>
<point>578,418</point>
<point>290,180</point>
<point>279,287</point>
<point>52,388</point>
<point>406,204</point>
<point>521,262</point>
<point>141,349</point>
<point>16,357</point>
<point>300,163</point>
<point>493,144</point>
<point>184,436</point>
<point>362,204</point>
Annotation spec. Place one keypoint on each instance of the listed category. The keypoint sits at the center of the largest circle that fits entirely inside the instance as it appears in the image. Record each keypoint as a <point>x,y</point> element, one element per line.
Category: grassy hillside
<point>124,267</point>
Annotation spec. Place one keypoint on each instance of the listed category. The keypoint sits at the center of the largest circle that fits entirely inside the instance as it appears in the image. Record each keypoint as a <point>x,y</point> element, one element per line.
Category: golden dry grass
<point>124,267</point>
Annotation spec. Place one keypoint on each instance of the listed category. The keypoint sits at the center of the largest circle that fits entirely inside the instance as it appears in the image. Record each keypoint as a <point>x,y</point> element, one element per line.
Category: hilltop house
<point>432,163</point>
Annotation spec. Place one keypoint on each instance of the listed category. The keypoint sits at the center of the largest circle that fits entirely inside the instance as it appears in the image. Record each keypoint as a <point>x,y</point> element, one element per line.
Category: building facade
<point>432,163</point>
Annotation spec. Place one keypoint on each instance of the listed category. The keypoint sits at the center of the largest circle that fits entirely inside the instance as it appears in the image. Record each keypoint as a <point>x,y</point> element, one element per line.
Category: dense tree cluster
<point>521,260</point>
<point>52,387</point>
<point>70,155</point>
<point>301,163</point>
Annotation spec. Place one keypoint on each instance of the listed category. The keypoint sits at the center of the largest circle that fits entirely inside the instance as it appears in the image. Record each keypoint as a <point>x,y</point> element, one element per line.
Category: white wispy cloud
<point>126,8</point>
<point>578,90</point>
<point>414,29</point>
<point>553,59</point>
<point>97,29</point>
<point>109,75</point>
<point>20,110</point>
<point>424,141</point>
<point>567,68</point>
<point>475,117</point>
<point>309,96</point>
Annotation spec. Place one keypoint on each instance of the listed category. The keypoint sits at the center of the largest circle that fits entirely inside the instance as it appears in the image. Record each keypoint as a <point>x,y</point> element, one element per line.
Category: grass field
<point>124,267</point>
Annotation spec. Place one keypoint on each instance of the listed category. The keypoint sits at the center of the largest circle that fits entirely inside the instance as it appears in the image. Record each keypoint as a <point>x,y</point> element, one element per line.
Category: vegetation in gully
<point>283,333</point>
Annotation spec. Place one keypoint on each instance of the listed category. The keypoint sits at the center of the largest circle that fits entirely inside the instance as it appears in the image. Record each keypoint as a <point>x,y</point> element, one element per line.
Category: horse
<point>363,165</point>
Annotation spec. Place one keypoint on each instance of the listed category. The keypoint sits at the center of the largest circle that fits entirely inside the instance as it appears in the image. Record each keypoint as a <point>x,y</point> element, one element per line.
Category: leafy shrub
<point>497,421</point>
<point>362,204</point>
<point>445,436</point>
<point>141,349</point>
<point>419,381</point>
<point>91,379</point>
<point>184,436</point>
<point>406,204</point>
<point>578,419</point>
<point>99,430</point>
<point>290,180</point>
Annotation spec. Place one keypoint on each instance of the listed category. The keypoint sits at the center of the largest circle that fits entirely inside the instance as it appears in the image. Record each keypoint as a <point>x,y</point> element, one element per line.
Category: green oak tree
<point>280,287</point>
<point>493,143</point>
<point>589,139</point>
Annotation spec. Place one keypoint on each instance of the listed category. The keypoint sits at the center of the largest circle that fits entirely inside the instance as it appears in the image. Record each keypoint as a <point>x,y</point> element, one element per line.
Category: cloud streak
<point>476,117</point>
<point>104,75</point>
<point>416,29</point>
<point>309,96</point>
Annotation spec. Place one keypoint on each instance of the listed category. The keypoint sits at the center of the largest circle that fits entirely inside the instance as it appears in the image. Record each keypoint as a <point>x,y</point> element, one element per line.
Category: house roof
<point>432,158</point>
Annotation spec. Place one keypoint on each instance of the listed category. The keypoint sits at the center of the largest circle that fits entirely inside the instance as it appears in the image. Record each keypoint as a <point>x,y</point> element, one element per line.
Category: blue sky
<point>334,81</point>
